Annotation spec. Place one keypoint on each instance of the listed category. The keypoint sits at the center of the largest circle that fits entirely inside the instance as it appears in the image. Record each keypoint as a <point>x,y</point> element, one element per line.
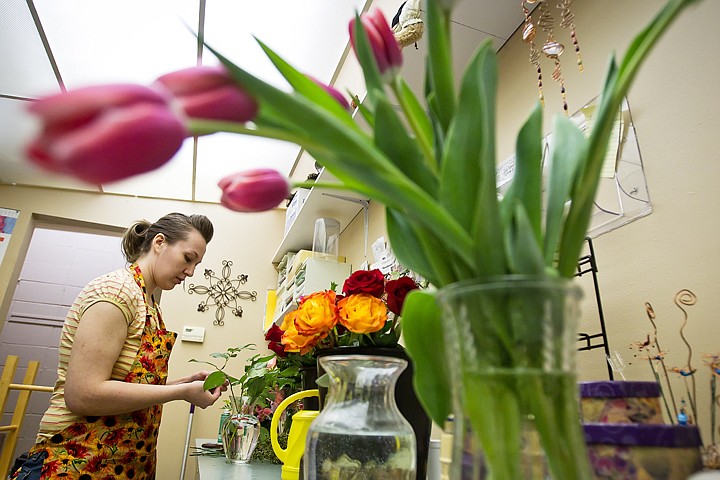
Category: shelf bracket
<point>366,213</point>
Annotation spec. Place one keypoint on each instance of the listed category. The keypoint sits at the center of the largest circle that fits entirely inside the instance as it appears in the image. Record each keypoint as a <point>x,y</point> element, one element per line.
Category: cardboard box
<point>303,255</point>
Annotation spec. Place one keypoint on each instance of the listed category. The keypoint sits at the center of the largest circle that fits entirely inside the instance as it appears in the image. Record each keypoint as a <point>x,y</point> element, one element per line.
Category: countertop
<point>216,468</point>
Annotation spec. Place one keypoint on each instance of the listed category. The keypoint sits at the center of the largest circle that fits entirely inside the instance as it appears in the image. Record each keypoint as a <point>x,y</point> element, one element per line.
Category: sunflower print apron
<point>115,446</point>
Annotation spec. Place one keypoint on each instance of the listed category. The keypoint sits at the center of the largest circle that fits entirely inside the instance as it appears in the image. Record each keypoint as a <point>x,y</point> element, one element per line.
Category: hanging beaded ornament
<point>552,48</point>
<point>566,21</point>
<point>528,36</point>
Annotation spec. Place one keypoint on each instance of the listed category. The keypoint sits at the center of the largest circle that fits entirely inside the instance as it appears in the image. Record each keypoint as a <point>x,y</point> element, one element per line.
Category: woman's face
<point>178,260</point>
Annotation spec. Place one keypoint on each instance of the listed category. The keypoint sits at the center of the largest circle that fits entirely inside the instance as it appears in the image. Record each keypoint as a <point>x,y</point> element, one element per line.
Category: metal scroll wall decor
<point>223,292</point>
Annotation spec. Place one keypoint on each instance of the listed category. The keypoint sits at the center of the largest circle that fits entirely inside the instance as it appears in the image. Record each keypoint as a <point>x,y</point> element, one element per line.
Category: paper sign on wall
<point>8,217</point>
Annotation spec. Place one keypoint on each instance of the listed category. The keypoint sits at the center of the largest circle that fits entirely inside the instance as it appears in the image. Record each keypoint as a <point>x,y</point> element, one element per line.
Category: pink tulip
<point>105,133</point>
<point>209,93</point>
<point>385,48</point>
<point>254,190</point>
<point>333,93</point>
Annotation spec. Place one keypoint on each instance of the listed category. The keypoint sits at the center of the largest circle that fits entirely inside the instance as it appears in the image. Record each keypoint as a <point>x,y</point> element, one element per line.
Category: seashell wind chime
<point>551,48</point>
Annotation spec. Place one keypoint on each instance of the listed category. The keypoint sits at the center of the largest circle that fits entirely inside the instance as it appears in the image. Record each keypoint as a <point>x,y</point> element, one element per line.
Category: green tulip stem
<point>414,122</point>
<point>204,127</point>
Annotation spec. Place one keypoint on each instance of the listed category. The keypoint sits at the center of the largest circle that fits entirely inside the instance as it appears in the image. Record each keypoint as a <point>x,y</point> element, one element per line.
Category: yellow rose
<point>316,314</point>
<point>362,313</point>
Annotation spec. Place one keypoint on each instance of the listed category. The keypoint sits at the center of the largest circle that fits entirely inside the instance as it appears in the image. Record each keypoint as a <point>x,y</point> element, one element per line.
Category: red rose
<point>365,281</point>
<point>278,348</point>
<point>397,290</point>
<point>274,334</point>
<point>274,338</point>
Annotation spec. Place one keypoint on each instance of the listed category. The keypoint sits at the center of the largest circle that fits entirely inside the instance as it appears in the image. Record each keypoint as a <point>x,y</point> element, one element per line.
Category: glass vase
<point>240,434</point>
<point>511,346</point>
<point>360,432</point>
<point>405,398</point>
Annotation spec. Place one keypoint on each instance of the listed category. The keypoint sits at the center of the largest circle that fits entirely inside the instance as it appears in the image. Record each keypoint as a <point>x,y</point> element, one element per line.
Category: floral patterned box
<point>643,452</point>
<point>620,402</point>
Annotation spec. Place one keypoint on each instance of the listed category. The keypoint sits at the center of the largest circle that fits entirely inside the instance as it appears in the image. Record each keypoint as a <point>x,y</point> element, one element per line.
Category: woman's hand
<point>198,396</point>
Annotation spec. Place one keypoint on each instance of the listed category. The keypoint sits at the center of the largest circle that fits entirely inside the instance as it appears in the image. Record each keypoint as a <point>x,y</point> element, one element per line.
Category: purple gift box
<point>615,389</point>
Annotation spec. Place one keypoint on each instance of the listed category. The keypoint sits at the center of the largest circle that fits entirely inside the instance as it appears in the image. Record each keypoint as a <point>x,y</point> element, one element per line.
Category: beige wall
<point>674,104</point>
<point>249,241</point>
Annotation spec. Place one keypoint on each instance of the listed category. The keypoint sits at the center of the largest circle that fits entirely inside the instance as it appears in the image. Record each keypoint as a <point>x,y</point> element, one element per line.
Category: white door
<point>58,264</point>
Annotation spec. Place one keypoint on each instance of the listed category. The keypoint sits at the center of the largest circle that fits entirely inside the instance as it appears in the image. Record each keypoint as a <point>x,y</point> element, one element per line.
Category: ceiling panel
<point>112,41</point>
<point>498,18</point>
<point>24,67</point>
<point>309,35</point>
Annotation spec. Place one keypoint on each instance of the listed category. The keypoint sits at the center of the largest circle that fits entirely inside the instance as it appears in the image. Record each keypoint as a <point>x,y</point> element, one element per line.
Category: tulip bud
<point>105,133</point>
<point>254,190</point>
<point>209,93</point>
<point>333,93</point>
<point>385,48</point>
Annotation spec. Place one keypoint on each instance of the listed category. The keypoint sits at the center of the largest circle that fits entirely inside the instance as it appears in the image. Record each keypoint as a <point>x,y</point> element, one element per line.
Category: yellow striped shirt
<point>120,289</point>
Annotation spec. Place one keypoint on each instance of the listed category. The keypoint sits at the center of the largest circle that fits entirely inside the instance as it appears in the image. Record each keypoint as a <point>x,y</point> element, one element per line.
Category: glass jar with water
<point>360,432</point>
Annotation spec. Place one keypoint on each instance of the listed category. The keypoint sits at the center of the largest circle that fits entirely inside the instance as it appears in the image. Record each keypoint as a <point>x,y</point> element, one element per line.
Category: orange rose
<point>362,313</point>
<point>294,341</point>
<point>316,313</point>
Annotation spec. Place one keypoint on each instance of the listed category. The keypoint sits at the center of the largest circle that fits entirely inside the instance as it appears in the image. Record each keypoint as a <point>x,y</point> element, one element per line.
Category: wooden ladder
<point>25,388</point>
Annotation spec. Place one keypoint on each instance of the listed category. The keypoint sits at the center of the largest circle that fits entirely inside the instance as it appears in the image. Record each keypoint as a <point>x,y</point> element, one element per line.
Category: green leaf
<point>418,120</point>
<point>406,246</point>
<point>470,140</point>
<point>423,333</point>
<point>468,182</point>
<point>564,165</point>
<point>392,138</point>
<point>306,86</point>
<point>526,186</point>
<point>523,251</point>
<point>214,380</point>
<point>439,62</point>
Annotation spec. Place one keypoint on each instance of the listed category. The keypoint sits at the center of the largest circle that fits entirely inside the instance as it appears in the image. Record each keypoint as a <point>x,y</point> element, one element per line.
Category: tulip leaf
<point>418,120</point>
<point>524,254</point>
<point>439,62</point>
<point>468,180</point>
<point>306,86</point>
<point>564,165</point>
<point>466,146</point>
<point>526,186</point>
<point>406,246</point>
<point>392,138</point>
<point>423,334</point>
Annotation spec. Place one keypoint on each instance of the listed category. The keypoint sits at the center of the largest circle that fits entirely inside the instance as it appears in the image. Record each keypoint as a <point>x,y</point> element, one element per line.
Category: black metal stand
<point>587,264</point>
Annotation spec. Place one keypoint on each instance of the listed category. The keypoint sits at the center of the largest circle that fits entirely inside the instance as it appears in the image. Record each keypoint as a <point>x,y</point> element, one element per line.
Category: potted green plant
<point>252,398</point>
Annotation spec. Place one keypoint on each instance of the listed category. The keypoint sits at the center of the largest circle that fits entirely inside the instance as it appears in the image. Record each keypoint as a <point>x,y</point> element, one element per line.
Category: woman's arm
<point>99,339</point>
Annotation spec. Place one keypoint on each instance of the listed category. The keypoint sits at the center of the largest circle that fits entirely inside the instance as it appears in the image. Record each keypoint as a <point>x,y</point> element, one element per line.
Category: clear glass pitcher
<point>360,432</point>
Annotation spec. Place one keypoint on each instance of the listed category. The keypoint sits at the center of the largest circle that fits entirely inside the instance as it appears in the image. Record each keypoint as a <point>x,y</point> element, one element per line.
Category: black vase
<point>308,376</point>
<point>405,397</point>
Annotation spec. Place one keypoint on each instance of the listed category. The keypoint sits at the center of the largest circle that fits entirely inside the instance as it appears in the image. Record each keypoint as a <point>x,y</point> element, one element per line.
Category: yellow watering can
<point>291,456</point>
